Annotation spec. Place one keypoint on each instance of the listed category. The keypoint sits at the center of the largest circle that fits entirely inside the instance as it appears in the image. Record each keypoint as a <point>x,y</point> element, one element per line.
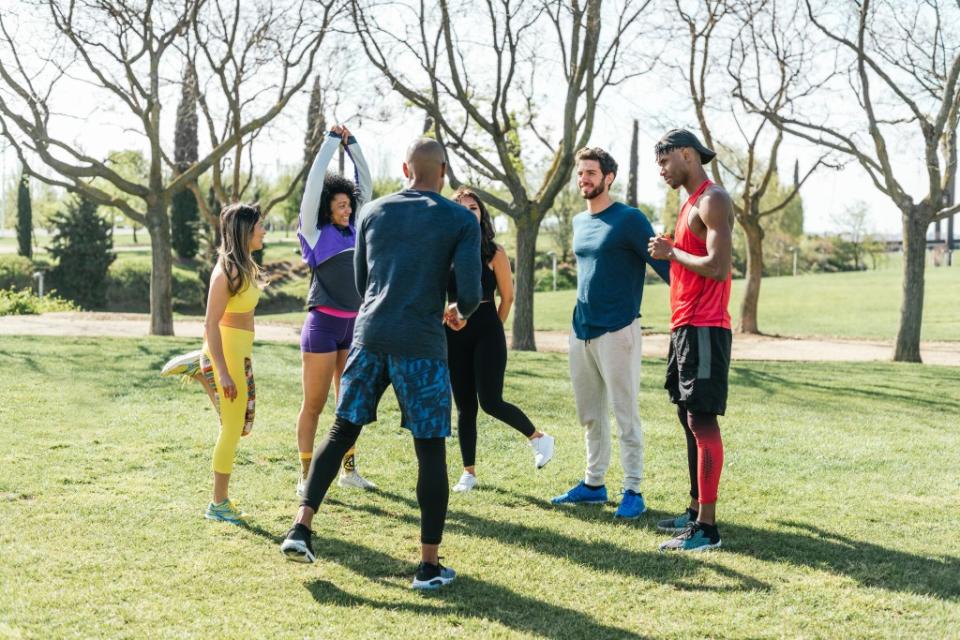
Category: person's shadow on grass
<point>868,563</point>
<point>465,597</point>
<point>601,555</point>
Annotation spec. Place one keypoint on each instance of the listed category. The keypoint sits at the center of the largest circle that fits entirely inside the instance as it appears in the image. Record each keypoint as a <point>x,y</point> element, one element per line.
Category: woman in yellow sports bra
<point>227,360</point>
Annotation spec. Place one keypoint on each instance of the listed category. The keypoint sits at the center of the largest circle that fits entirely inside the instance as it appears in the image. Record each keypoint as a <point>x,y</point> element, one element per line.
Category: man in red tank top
<point>699,360</point>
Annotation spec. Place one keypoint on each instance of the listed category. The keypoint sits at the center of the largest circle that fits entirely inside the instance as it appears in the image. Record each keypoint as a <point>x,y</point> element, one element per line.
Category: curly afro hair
<point>333,184</point>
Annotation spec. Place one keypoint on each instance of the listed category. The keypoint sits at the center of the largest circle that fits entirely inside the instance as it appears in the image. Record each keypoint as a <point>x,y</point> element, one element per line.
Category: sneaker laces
<point>690,530</point>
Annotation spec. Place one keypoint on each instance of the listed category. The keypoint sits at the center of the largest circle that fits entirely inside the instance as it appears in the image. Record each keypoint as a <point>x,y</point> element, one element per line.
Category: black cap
<point>683,138</point>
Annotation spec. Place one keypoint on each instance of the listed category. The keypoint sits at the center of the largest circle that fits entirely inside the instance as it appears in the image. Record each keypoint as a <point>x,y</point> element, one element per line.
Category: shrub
<point>25,302</point>
<point>128,288</point>
<point>566,278</point>
<point>16,272</point>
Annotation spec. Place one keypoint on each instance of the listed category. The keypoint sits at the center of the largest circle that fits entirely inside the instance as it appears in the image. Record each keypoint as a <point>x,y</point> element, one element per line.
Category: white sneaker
<point>354,480</point>
<point>466,482</point>
<point>301,486</point>
<point>542,450</point>
<point>187,364</point>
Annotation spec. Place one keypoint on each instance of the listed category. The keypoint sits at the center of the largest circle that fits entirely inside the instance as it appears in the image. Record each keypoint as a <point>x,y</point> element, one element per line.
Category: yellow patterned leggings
<point>236,416</point>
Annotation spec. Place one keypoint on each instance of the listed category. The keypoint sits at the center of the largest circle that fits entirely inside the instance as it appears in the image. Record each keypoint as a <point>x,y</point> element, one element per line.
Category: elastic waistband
<point>336,313</point>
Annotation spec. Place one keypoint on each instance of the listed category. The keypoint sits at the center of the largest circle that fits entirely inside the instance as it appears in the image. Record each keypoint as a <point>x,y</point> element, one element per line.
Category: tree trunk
<point>161,272</point>
<point>523,337</point>
<point>915,225</point>
<point>751,293</point>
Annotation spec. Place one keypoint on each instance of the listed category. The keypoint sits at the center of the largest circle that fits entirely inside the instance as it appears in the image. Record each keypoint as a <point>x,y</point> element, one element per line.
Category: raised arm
<point>715,211</point>
<point>361,172</point>
<point>310,204</point>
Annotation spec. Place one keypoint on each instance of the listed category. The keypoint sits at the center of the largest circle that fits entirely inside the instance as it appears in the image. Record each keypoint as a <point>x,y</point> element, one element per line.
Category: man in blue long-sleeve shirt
<point>406,244</point>
<point>610,242</point>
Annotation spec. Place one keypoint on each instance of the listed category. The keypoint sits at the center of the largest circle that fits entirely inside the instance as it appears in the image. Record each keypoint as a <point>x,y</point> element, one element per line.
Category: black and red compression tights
<point>704,453</point>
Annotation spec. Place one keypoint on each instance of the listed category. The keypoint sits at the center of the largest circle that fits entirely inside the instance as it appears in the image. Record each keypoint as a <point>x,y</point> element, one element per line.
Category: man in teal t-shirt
<point>610,241</point>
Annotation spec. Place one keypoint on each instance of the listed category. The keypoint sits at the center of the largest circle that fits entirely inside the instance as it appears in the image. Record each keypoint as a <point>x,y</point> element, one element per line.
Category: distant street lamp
<point>38,275</point>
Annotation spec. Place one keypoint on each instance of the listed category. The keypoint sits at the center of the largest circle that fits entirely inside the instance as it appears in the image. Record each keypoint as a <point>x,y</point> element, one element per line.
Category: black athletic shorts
<point>697,368</point>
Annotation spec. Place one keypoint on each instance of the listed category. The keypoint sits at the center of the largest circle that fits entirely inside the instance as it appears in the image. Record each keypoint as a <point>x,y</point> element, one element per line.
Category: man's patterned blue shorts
<point>422,386</point>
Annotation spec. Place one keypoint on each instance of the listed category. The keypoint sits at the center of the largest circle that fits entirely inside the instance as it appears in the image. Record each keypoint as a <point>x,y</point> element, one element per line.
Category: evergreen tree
<point>24,218</point>
<point>634,166</point>
<point>185,218</point>
<point>83,248</point>
<point>316,124</point>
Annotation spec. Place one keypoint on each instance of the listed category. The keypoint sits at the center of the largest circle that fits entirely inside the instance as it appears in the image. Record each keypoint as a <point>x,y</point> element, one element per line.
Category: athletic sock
<point>349,462</point>
<point>593,487</point>
<point>305,458</point>
<point>710,530</point>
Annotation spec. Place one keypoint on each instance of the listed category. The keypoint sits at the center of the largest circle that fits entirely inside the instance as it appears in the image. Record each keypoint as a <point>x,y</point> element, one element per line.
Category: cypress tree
<point>185,217</point>
<point>24,218</point>
<point>634,166</point>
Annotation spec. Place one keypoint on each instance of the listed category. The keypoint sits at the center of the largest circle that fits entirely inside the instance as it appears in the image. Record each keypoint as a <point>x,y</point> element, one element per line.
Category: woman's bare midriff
<point>243,321</point>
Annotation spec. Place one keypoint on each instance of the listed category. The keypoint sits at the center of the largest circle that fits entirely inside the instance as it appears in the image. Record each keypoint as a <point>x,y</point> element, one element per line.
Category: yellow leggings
<point>236,416</point>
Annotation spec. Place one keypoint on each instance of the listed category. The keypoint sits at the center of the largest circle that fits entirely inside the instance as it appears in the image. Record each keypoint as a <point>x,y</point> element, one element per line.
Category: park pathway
<point>745,347</point>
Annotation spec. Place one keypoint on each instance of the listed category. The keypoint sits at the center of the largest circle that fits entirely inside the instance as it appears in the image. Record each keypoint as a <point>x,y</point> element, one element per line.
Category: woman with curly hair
<point>477,352</point>
<point>328,235</point>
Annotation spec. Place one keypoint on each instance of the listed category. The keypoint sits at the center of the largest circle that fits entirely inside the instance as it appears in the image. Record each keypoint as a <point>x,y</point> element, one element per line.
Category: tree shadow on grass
<point>465,598</point>
<point>21,359</point>
<point>599,555</point>
<point>773,383</point>
<point>869,564</point>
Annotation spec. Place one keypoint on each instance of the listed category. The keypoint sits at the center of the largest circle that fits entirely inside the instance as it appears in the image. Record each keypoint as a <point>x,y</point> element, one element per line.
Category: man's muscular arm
<point>714,210</point>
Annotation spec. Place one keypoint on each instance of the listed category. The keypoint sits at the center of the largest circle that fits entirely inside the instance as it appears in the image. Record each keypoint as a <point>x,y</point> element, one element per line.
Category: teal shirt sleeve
<point>640,239</point>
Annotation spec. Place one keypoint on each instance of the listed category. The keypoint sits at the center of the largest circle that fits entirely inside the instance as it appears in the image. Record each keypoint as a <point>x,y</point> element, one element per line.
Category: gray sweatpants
<point>607,369</point>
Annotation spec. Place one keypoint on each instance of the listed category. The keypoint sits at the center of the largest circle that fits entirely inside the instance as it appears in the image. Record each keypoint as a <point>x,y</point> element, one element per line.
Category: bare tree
<point>229,48</point>
<point>122,50</point>
<point>903,69</point>
<point>479,71</point>
<point>765,56</point>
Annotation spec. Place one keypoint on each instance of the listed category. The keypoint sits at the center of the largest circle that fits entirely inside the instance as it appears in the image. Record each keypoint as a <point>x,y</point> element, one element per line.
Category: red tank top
<point>695,299</point>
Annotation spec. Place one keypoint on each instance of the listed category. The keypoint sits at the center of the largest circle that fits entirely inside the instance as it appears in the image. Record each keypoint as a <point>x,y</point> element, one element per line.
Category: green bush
<point>16,272</point>
<point>566,278</point>
<point>25,302</point>
<point>128,288</point>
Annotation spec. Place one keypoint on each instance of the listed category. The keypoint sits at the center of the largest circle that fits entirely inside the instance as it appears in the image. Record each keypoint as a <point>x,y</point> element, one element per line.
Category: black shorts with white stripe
<point>698,366</point>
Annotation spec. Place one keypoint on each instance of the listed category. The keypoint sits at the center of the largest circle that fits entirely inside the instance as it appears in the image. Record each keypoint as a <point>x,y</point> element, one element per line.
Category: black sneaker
<point>432,576</point>
<point>698,536</point>
<point>297,545</point>
<point>679,523</point>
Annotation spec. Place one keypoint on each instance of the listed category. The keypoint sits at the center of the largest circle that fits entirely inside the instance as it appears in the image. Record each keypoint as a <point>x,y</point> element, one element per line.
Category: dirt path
<point>654,345</point>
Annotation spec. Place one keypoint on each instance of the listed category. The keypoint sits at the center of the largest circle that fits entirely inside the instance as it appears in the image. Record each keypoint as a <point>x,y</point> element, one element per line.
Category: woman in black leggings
<point>477,353</point>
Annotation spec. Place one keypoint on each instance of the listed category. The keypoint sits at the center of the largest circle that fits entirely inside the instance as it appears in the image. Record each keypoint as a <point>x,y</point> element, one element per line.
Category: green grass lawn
<point>863,304</point>
<point>837,511</point>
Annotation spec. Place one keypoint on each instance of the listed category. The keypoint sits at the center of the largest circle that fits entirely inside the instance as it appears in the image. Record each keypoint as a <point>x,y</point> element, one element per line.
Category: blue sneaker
<point>432,576</point>
<point>679,523</point>
<point>225,511</point>
<point>698,536</point>
<point>631,506</point>
<point>582,494</point>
